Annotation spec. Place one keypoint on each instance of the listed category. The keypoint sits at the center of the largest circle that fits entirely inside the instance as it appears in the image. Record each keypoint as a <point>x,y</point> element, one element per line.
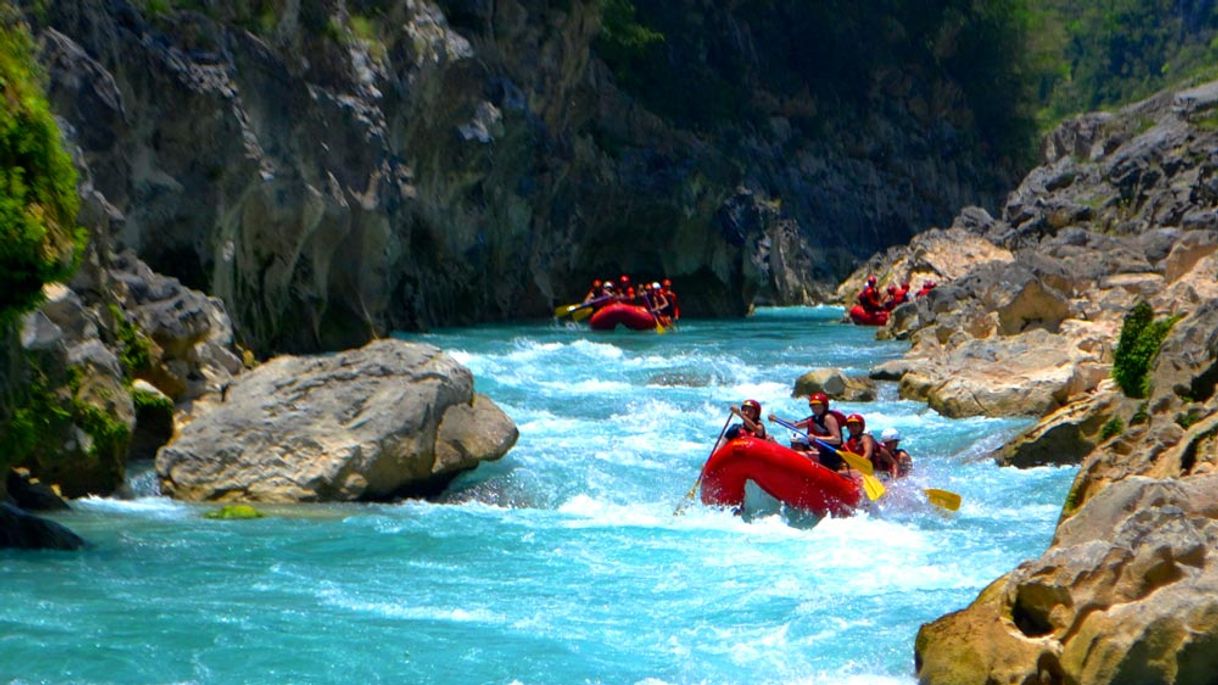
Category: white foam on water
<point>334,597</point>
<point>154,507</point>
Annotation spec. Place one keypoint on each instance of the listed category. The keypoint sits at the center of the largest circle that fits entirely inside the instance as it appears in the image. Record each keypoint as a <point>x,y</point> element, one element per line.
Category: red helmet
<point>871,280</point>
<point>666,283</point>
<point>892,288</point>
<point>624,278</point>
<point>819,398</point>
<point>596,283</point>
<point>856,418</point>
<point>905,285</point>
<point>751,403</point>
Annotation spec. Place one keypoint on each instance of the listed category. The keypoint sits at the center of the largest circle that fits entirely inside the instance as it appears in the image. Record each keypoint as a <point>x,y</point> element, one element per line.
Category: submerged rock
<point>21,530</point>
<point>387,420</point>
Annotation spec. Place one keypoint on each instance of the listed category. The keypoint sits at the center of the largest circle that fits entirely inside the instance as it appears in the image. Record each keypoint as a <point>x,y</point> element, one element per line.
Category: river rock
<point>386,420</point>
<point>836,384</point>
<point>1031,375</point>
<point>21,530</point>
<point>1127,593</point>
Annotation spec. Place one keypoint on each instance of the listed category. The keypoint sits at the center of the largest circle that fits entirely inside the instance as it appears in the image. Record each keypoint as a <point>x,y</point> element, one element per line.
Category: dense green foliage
<point>39,239</point>
<point>1141,336</point>
<point>823,65</point>
<point>997,69</point>
<point>1094,54</point>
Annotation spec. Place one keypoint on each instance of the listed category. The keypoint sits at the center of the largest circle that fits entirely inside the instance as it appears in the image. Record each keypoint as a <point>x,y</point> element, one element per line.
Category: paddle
<point>566,309</point>
<point>654,314</point>
<point>694,490</point>
<point>871,485</point>
<point>944,499</point>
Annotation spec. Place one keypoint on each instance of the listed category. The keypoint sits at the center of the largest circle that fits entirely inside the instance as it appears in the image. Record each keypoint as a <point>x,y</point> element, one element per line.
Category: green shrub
<point>39,240</point>
<point>1189,418</point>
<point>1112,428</point>
<point>1141,337</point>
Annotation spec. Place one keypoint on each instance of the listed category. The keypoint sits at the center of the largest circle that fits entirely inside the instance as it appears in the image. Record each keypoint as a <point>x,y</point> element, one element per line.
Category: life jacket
<point>673,310</point>
<point>818,423</point>
<point>738,429</point>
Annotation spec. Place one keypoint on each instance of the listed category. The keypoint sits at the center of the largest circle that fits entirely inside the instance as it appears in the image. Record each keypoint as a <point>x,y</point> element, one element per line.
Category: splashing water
<point>563,562</point>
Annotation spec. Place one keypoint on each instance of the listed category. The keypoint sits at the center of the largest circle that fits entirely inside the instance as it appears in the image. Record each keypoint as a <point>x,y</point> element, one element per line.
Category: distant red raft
<point>862,317</point>
<point>608,317</point>
<point>787,475</point>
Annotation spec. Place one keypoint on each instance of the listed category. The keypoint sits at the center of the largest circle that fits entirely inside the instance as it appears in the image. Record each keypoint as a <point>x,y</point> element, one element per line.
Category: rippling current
<point>562,563</point>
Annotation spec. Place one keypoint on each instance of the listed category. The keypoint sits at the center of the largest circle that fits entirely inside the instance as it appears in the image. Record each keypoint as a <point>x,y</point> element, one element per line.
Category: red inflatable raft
<point>608,317</point>
<point>787,475</point>
<point>862,317</point>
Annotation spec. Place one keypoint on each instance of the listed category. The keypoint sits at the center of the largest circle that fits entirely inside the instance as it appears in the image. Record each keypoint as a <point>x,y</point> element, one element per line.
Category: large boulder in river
<point>836,384</point>
<point>386,420</point>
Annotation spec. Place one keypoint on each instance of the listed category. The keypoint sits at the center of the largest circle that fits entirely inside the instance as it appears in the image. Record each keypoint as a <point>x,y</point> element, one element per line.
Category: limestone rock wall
<point>353,167</point>
<point>1126,591</point>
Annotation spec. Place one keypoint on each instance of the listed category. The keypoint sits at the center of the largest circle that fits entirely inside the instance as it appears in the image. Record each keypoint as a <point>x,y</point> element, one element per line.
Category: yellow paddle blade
<point>944,499</point>
<point>581,314</point>
<point>873,487</point>
<point>564,310</point>
<point>857,462</point>
<point>660,330</point>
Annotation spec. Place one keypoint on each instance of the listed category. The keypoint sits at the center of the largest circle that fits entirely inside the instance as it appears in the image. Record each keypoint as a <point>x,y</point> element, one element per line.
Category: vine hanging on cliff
<point>39,240</point>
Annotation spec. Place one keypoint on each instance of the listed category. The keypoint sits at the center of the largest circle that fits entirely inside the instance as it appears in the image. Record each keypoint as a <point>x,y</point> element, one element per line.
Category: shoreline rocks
<point>1120,213</point>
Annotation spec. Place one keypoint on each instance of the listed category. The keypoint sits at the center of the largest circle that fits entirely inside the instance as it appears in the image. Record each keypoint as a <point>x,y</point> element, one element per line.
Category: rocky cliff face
<point>1121,212</point>
<point>349,167</point>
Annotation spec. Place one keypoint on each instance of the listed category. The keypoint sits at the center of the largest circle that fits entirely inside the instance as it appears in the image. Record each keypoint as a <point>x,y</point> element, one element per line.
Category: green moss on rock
<point>234,511</point>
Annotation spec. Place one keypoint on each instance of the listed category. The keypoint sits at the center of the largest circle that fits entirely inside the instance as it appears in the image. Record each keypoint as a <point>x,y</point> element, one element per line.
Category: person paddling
<point>673,309</point>
<point>889,444</point>
<point>750,424</point>
<point>870,298</point>
<point>863,444</point>
<point>825,426</point>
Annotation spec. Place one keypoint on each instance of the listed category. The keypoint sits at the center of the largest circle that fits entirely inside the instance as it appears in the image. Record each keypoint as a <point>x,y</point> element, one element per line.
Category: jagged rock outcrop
<point>1114,216</point>
<point>332,179</point>
<point>1126,591</point>
<point>386,420</point>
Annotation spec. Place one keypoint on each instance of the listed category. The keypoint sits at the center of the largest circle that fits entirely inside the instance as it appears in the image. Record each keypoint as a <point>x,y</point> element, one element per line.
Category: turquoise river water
<point>563,562</point>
